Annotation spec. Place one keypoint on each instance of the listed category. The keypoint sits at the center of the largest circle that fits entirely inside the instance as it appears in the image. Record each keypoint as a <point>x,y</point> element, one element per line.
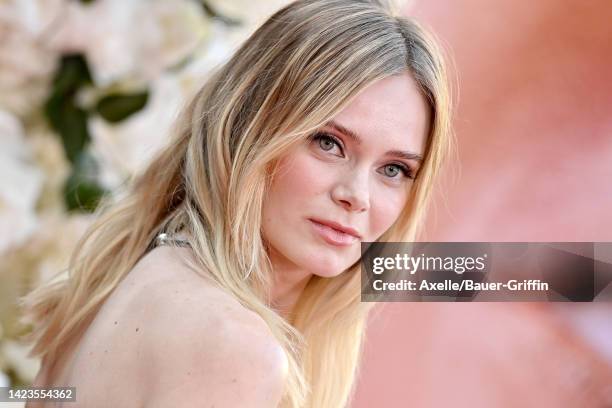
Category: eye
<point>326,141</point>
<point>393,169</point>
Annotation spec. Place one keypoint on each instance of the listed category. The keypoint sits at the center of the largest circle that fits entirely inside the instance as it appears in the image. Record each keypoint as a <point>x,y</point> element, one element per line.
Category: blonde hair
<point>298,70</point>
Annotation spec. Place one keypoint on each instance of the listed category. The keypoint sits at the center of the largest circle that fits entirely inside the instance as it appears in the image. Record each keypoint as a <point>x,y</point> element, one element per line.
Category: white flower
<point>20,184</point>
<point>136,38</point>
<point>27,63</point>
<point>48,154</point>
<point>16,356</point>
<point>249,13</point>
<point>54,242</point>
<point>215,52</point>
<point>43,256</point>
<point>124,148</point>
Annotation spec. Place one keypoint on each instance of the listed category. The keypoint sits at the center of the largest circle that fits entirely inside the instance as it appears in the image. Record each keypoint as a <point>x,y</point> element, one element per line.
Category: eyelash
<point>407,171</point>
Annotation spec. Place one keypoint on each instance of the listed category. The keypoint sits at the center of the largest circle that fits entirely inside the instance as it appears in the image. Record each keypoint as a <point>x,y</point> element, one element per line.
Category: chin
<point>327,274</point>
<point>327,270</point>
<point>328,264</point>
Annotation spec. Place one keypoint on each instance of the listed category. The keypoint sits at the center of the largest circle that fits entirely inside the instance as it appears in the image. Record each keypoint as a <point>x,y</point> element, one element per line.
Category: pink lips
<point>332,235</point>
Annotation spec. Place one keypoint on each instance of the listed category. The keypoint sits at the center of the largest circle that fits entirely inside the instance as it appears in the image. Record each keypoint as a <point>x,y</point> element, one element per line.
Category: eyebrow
<point>405,154</point>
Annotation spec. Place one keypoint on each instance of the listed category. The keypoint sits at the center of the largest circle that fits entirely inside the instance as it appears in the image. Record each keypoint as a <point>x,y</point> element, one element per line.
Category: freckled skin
<point>349,184</point>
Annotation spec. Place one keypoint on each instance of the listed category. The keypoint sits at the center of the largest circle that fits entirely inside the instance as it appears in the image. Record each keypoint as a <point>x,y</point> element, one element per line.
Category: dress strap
<point>167,239</point>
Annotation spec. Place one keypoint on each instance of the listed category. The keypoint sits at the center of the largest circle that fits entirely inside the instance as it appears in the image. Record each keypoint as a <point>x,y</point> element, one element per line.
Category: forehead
<point>391,111</point>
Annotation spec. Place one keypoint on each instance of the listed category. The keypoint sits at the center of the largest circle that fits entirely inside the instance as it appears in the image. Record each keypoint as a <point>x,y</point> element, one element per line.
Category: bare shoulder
<point>199,344</point>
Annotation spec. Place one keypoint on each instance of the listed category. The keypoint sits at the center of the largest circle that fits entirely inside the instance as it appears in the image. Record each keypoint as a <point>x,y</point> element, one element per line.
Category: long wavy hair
<point>292,75</point>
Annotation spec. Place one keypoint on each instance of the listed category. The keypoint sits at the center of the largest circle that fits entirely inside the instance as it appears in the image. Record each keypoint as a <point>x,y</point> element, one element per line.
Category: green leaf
<point>72,73</point>
<point>70,122</point>
<point>61,111</point>
<point>117,107</point>
<point>82,191</point>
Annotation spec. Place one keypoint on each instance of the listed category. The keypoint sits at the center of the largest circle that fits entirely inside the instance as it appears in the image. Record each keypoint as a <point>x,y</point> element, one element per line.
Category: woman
<point>325,129</point>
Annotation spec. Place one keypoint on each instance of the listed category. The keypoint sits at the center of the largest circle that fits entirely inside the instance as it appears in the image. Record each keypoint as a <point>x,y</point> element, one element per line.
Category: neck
<point>288,284</point>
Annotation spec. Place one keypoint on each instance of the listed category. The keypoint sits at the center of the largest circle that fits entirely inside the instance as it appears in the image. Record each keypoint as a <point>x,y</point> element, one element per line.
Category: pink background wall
<point>534,131</point>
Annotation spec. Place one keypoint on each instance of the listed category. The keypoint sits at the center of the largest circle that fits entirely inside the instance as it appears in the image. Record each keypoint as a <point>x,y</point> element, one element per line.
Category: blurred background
<point>534,132</point>
<point>89,89</point>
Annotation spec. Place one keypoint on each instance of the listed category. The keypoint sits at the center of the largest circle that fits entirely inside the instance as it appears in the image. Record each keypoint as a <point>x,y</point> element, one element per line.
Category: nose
<point>352,192</point>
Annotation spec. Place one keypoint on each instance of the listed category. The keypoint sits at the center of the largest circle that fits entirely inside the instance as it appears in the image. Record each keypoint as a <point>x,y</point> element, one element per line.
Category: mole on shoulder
<point>137,329</point>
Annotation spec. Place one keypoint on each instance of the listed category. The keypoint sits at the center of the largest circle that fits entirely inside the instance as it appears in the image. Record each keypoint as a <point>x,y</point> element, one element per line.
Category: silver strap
<point>166,239</point>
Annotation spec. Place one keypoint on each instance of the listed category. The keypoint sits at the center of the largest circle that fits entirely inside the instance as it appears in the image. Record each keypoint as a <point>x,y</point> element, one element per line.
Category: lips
<point>338,227</point>
<point>335,236</point>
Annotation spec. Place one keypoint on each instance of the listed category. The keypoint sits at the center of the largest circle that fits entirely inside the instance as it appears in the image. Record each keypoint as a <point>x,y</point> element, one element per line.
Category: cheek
<point>297,184</point>
<point>386,207</point>
<point>297,177</point>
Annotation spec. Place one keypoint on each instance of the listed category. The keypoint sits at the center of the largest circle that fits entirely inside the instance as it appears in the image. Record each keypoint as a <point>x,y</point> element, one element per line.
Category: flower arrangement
<point>88,92</point>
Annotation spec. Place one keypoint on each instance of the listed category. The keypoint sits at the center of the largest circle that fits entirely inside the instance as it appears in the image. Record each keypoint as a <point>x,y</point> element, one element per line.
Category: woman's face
<point>351,174</point>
